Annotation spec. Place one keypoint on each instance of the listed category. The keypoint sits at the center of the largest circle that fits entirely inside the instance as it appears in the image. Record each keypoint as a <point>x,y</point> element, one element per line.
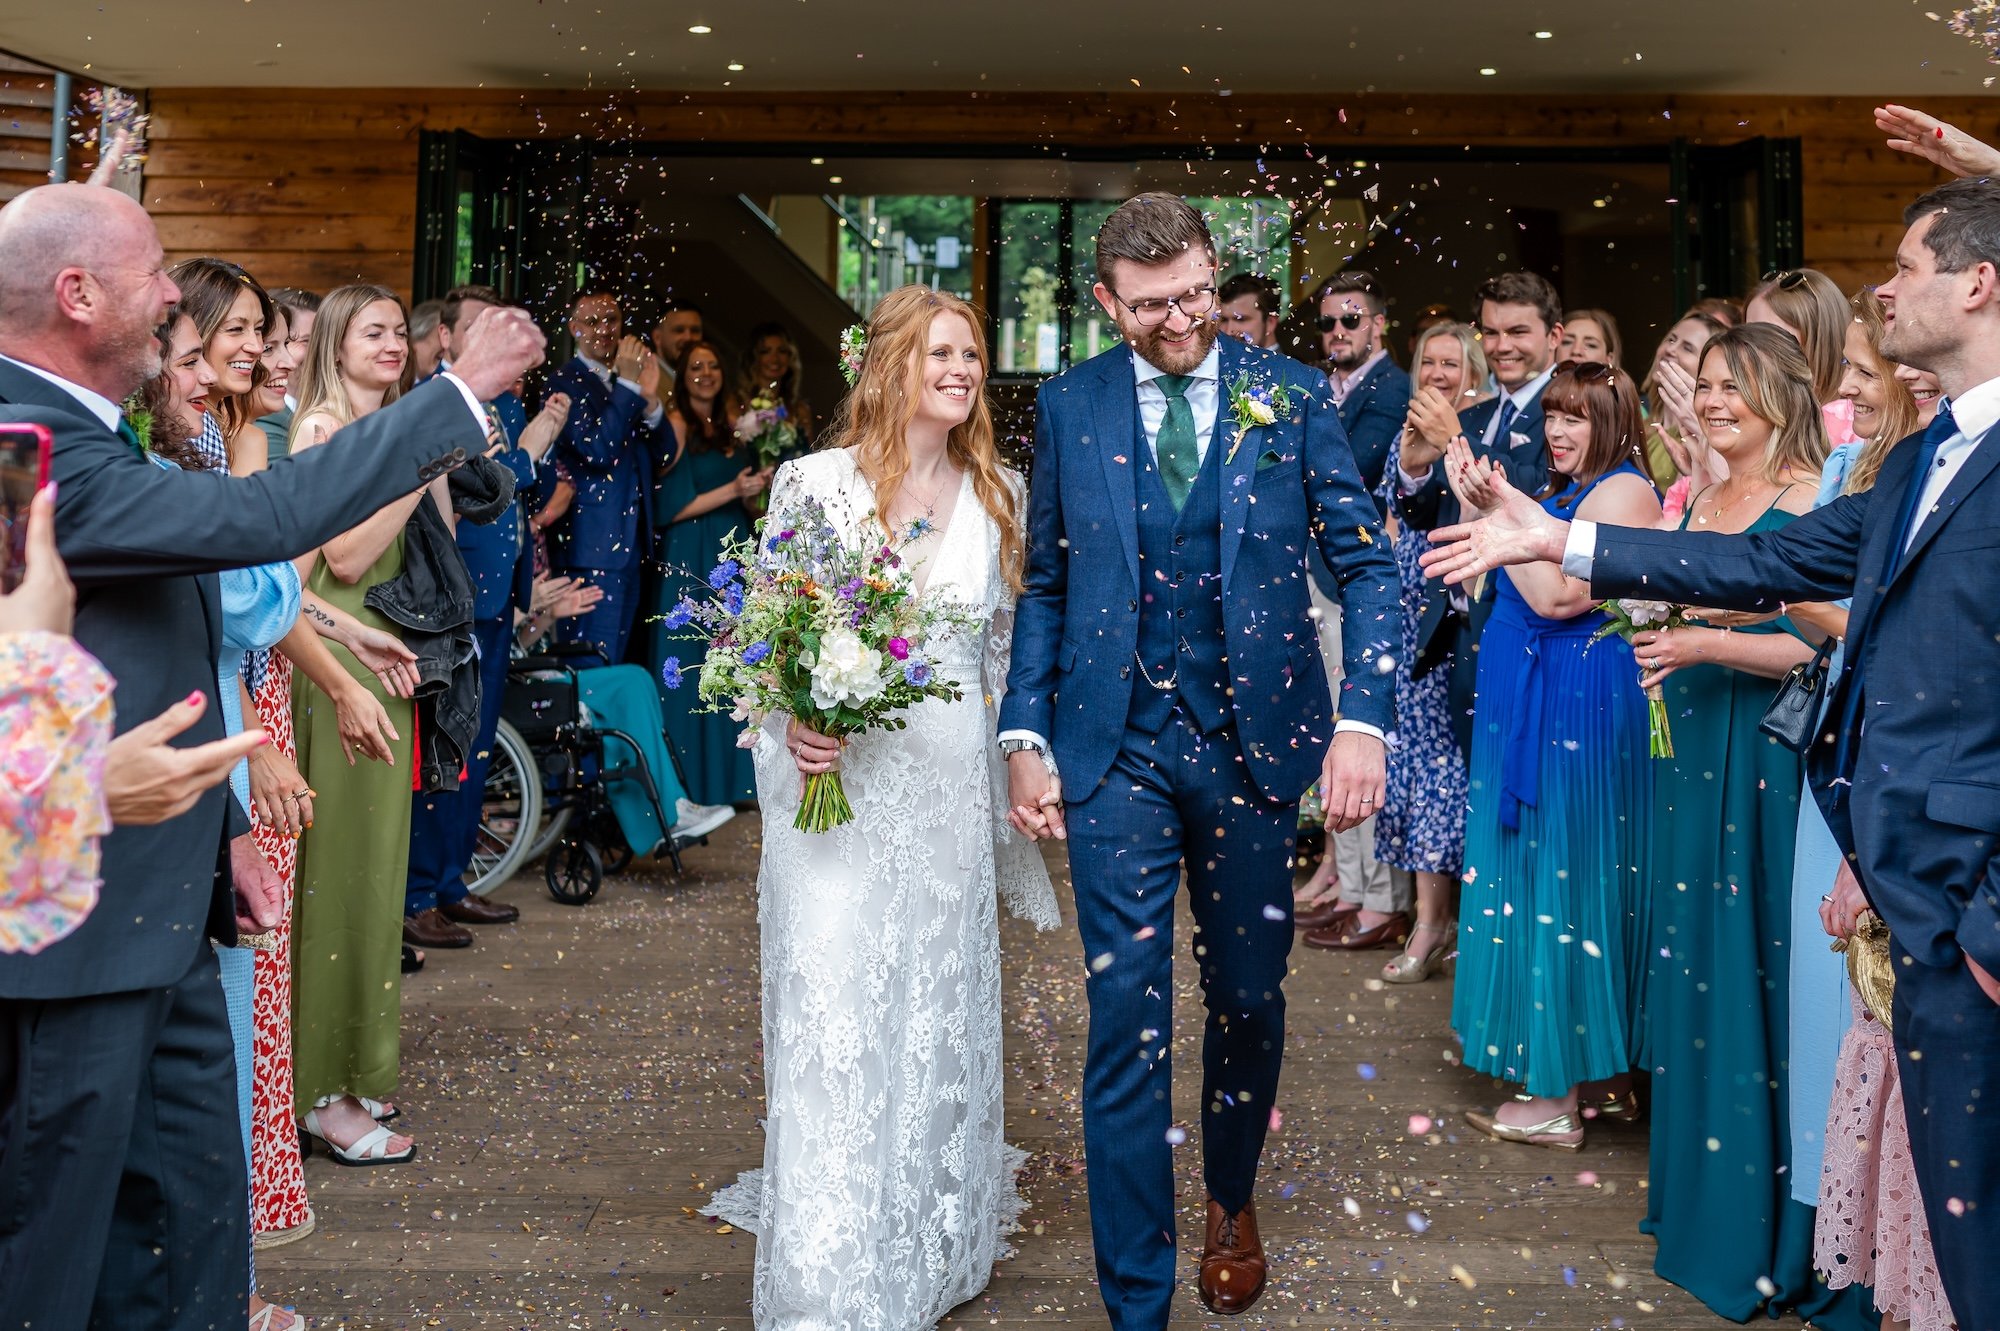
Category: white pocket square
<point>1515,439</point>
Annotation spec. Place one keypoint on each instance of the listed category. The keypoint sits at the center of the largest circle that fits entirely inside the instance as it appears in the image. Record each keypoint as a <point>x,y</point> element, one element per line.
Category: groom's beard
<point>1184,358</point>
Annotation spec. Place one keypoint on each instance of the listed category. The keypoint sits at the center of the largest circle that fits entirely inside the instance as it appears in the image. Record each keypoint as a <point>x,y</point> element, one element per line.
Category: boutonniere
<point>1252,405</point>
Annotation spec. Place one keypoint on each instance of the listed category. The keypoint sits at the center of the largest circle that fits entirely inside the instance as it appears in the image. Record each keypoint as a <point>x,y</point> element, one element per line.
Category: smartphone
<point>24,470</point>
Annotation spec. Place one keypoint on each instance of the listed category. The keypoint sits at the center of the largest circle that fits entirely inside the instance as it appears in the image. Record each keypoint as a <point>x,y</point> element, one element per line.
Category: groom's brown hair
<point>1150,229</point>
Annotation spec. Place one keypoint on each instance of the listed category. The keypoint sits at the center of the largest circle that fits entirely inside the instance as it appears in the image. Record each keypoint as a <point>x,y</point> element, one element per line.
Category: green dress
<point>718,772</point>
<point>1724,825</point>
<point>347,941</point>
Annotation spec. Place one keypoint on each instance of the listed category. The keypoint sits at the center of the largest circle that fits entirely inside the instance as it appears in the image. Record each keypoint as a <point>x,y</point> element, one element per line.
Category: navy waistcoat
<point>1180,597</point>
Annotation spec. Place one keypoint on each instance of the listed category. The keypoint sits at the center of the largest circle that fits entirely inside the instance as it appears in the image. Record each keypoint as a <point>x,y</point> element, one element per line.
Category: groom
<point>1166,665</point>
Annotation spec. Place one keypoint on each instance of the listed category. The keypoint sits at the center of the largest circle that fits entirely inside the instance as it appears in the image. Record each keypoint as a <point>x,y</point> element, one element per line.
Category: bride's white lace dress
<point>887,1186</point>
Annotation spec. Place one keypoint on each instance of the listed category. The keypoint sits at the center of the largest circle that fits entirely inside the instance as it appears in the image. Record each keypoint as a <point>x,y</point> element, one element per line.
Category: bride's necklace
<point>930,505</point>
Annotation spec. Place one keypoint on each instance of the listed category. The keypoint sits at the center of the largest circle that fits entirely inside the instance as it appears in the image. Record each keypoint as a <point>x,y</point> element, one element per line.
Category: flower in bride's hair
<point>853,350</point>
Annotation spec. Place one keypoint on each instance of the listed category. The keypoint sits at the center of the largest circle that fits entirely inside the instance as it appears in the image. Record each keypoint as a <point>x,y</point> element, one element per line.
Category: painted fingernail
<point>192,698</point>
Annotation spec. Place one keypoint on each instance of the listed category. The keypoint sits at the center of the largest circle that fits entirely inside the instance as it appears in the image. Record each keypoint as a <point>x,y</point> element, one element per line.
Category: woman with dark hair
<point>701,502</point>
<point>1552,914</point>
<point>770,370</point>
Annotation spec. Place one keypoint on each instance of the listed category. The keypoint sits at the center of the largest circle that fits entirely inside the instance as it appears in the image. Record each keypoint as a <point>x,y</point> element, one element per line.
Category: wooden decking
<point>580,1082</point>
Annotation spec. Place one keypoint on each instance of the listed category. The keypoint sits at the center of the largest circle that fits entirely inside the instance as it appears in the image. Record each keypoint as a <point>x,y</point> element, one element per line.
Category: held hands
<point>1034,797</point>
<point>1516,531</point>
<point>1353,779</point>
<point>45,601</point>
<point>260,893</point>
<point>499,347</point>
<point>1935,140</point>
<point>147,780</point>
<point>278,794</point>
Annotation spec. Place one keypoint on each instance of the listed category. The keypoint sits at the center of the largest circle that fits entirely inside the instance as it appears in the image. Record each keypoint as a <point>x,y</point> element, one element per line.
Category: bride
<point>887,1185</point>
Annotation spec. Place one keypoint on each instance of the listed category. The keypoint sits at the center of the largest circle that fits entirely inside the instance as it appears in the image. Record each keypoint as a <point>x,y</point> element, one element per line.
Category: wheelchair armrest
<point>572,650</point>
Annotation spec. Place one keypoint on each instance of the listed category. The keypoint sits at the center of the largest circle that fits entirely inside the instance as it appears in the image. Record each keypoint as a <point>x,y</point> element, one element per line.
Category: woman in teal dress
<point>699,503</point>
<point>1552,915</point>
<point>1724,828</point>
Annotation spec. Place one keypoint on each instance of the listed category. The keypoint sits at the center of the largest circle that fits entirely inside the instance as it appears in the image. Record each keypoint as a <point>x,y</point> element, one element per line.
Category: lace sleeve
<point>1023,879</point>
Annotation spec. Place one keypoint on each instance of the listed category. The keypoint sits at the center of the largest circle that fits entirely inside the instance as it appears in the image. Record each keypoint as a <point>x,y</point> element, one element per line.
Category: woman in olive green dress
<point>700,502</point>
<point>347,934</point>
<point>1724,828</point>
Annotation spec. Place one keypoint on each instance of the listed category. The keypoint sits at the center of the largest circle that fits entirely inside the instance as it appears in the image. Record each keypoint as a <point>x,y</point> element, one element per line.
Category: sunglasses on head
<point>1787,279</point>
<point>1589,371</point>
<point>1350,321</point>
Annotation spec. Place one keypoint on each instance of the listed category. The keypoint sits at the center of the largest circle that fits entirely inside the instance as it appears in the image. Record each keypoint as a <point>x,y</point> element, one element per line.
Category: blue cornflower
<point>917,672</point>
<point>670,672</point>
<point>678,617</point>
<point>720,576</point>
<point>732,598</point>
<point>756,652</point>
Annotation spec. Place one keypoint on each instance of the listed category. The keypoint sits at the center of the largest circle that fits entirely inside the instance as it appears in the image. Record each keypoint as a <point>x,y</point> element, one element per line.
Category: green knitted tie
<point>1178,454</point>
<point>130,436</point>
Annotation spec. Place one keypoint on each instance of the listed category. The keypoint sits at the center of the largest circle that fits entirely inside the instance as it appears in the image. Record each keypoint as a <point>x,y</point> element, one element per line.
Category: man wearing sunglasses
<point>1519,316</point>
<point>1372,391</point>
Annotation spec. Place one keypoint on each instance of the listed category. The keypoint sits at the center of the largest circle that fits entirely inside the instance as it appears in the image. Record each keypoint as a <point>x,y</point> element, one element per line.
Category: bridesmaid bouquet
<point>802,622</point>
<point>1627,617</point>
<point>768,428</point>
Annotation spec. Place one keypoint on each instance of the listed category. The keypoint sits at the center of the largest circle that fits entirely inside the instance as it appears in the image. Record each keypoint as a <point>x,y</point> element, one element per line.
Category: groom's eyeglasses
<point>1326,323</point>
<point>1153,312</point>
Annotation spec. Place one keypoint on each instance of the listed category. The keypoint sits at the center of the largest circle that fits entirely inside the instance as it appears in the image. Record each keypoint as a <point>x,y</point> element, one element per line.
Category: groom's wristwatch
<point>1010,747</point>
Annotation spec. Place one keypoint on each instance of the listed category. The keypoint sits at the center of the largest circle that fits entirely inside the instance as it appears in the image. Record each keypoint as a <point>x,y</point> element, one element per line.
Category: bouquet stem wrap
<point>1626,618</point>
<point>1660,735</point>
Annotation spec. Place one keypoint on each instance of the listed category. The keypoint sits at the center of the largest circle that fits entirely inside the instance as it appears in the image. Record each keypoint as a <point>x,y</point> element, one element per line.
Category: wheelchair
<point>546,791</point>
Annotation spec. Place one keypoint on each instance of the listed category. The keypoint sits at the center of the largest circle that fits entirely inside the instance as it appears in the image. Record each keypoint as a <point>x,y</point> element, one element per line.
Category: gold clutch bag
<point>1869,969</point>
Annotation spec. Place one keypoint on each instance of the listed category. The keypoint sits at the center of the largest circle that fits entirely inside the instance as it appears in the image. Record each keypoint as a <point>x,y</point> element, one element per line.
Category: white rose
<point>847,671</point>
<point>1646,613</point>
<point>1260,412</point>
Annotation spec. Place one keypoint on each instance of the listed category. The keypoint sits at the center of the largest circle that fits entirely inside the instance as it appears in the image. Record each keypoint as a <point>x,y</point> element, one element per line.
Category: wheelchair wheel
<point>510,811</point>
<point>617,859</point>
<point>554,823</point>
<point>575,871</point>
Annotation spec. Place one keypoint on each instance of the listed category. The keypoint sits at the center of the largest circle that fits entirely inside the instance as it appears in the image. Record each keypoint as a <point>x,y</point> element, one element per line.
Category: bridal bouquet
<point>768,428</point>
<point>1627,617</point>
<point>805,623</point>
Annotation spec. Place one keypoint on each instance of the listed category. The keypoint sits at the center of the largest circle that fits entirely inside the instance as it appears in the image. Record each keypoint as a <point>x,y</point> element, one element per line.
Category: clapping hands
<point>1471,478</point>
<point>1515,530</point>
<point>1429,428</point>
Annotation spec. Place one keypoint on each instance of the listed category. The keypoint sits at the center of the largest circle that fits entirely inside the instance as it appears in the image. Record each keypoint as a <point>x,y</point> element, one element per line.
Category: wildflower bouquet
<point>806,623</point>
<point>1627,617</point>
<point>768,428</point>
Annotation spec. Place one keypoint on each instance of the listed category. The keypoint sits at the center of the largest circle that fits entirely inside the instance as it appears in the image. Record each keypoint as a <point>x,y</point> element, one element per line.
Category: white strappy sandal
<point>370,1150</point>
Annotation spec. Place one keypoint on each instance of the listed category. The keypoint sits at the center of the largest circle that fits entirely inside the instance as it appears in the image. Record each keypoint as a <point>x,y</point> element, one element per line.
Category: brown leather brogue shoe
<point>429,928</point>
<point>1390,933</point>
<point>475,909</point>
<point>1233,1268</point>
<point>1325,915</point>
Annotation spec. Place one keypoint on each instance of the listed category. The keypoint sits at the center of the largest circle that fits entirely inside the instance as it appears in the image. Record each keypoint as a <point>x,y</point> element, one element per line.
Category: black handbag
<point>1794,711</point>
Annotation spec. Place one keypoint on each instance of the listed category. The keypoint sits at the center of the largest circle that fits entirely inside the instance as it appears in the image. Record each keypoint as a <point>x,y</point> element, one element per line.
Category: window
<point>891,240</point>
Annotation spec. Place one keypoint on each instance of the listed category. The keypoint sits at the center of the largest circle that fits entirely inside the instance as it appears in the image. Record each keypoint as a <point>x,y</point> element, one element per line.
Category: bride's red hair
<point>876,414</point>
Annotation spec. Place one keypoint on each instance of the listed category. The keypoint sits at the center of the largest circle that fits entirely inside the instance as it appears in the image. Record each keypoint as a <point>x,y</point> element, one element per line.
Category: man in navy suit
<point>1372,391</point>
<point>614,445</point>
<point>1166,665</point>
<point>444,824</point>
<point>1520,325</point>
<point>1907,764</point>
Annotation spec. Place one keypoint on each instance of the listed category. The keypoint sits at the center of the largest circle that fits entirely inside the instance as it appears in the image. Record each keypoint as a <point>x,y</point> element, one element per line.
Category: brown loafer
<point>1325,915</point>
<point>475,909</point>
<point>1390,933</point>
<point>429,928</point>
<point>1233,1269</point>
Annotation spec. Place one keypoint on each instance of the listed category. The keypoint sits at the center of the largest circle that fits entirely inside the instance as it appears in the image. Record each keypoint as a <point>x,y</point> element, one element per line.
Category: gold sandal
<point>1406,968</point>
<point>1562,1133</point>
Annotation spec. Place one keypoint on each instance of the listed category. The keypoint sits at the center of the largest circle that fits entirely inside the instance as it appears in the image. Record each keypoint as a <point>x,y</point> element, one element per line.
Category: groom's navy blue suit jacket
<point>1922,813</point>
<point>1076,627</point>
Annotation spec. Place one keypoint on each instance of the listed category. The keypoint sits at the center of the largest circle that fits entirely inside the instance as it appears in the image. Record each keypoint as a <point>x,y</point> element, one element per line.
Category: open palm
<point>1515,531</point>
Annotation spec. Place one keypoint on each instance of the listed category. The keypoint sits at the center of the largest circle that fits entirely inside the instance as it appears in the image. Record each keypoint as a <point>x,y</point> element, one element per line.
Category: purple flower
<point>722,574</point>
<point>851,589</point>
<point>899,648</point>
<point>756,652</point>
<point>670,672</point>
<point>917,672</point>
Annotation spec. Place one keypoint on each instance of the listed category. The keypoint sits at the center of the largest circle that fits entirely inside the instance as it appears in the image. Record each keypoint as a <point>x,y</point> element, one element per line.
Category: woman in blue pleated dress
<point>1552,913</point>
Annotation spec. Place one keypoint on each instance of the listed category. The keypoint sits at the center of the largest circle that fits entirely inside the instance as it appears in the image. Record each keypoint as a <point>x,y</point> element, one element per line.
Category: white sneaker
<point>695,821</point>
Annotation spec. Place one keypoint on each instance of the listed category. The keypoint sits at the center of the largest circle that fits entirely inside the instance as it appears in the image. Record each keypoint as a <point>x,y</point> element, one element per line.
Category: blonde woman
<point>347,935</point>
<point>887,1185</point>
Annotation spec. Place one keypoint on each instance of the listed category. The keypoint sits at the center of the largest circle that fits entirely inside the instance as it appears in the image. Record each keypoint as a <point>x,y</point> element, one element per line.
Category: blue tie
<point>1508,413</point>
<point>1847,733</point>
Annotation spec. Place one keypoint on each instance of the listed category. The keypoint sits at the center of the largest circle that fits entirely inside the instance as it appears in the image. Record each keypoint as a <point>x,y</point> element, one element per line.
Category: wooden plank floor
<point>581,1081</point>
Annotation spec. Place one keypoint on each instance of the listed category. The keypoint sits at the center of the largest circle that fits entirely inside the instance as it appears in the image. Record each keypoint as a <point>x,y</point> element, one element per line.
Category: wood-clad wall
<point>316,187</point>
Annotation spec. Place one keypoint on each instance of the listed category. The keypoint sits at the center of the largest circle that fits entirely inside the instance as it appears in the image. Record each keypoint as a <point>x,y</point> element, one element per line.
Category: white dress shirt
<point>1204,399</point>
<point>1522,398</point>
<point>654,415</point>
<point>1976,412</point>
<point>107,412</point>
